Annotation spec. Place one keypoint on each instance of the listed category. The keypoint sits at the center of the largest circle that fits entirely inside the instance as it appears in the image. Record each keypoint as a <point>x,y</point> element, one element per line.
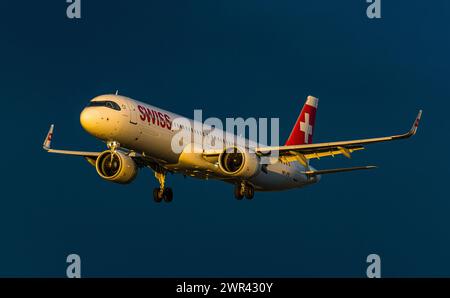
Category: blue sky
<point>229,58</point>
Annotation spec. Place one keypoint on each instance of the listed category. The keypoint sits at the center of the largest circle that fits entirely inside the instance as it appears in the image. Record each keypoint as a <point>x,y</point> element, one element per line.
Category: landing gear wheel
<point>249,192</point>
<point>162,192</point>
<point>168,195</point>
<point>157,195</point>
<point>238,194</point>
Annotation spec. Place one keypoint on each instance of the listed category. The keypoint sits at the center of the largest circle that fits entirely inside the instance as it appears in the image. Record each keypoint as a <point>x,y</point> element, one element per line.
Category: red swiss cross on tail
<point>303,131</point>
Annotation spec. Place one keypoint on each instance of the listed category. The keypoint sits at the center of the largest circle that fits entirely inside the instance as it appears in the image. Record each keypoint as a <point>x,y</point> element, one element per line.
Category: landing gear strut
<point>162,193</point>
<point>112,145</point>
<point>243,189</point>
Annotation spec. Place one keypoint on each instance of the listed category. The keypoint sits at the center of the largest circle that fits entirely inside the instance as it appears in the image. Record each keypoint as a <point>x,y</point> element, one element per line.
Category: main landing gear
<point>162,193</point>
<point>243,189</point>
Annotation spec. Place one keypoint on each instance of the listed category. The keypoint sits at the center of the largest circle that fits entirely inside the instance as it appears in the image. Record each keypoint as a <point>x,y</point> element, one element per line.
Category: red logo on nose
<point>155,117</point>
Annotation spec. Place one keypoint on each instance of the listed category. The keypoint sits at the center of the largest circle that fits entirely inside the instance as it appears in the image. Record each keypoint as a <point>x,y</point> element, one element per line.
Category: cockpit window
<point>107,103</point>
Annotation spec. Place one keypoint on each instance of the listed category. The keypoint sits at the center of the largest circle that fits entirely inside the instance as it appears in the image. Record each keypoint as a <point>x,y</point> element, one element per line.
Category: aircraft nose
<point>89,119</point>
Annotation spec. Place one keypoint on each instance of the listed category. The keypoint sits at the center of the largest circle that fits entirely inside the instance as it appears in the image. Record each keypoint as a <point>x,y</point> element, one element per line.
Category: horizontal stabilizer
<point>332,171</point>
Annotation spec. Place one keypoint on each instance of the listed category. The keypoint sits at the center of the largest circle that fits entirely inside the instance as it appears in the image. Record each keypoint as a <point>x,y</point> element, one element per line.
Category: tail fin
<point>303,130</point>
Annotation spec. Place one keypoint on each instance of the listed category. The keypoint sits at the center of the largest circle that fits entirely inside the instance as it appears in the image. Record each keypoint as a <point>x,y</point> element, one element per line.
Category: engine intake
<point>116,167</point>
<point>238,163</point>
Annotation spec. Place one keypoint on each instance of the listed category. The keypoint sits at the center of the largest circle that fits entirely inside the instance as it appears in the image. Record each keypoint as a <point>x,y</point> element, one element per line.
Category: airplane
<point>139,135</point>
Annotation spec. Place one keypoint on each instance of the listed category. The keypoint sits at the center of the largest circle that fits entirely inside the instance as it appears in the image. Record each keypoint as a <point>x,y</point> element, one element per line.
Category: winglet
<point>413,129</point>
<point>416,123</point>
<point>48,139</point>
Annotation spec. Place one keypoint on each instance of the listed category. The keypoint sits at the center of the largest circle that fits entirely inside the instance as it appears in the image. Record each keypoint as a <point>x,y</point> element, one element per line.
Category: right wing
<point>48,142</point>
<point>91,157</point>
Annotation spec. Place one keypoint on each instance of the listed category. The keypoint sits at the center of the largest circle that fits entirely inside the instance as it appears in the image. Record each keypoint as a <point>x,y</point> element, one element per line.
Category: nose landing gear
<point>113,145</point>
<point>162,193</point>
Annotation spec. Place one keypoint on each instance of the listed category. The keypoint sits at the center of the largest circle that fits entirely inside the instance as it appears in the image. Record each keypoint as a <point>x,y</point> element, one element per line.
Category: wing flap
<point>75,153</point>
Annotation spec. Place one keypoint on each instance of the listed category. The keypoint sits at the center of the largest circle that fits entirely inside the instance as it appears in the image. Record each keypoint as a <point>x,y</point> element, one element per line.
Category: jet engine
<point>235,162</point>
<point>116,167</point>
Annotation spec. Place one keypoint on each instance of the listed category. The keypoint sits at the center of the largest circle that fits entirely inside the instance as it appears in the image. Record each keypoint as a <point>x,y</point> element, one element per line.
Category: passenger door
<point>133,112</point>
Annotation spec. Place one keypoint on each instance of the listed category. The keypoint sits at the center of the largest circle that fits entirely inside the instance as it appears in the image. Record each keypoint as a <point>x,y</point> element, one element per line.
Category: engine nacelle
<point>235,162</point>
<point>117,167</point>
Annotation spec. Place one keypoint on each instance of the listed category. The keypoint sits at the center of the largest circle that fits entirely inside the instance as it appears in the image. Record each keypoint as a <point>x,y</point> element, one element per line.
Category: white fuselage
<point>148,130</point>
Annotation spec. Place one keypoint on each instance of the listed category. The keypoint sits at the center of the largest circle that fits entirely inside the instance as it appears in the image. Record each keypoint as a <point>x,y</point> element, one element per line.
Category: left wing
<point>302,153</point>
<point>314,173</point>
